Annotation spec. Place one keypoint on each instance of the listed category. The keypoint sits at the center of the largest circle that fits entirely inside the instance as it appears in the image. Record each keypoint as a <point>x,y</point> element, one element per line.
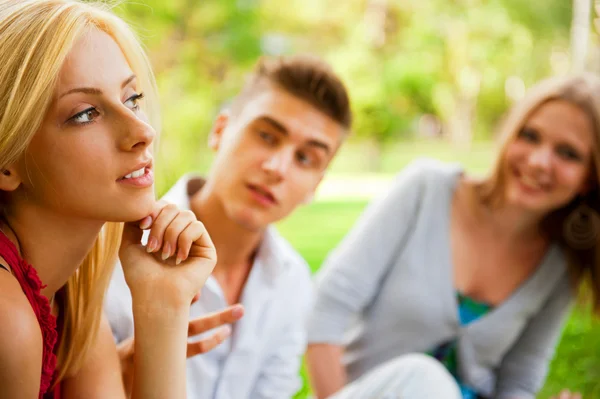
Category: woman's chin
<point>134,213</point>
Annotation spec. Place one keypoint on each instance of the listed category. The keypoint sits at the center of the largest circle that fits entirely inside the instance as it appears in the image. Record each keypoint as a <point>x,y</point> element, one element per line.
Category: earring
<point>581,228</point>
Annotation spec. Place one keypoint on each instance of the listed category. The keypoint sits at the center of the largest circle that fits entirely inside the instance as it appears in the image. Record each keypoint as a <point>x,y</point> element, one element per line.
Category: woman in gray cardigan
<point>477,273</point>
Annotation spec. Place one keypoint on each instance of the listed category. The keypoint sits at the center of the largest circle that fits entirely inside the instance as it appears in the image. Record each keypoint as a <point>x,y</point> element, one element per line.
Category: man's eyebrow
<point>319,144</point>
<point>274,123</point>
<point>283,130</point>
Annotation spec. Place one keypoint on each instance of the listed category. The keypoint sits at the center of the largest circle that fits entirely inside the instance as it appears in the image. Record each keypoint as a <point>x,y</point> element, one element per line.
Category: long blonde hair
<point>583,91</point>
<point>35,38</point>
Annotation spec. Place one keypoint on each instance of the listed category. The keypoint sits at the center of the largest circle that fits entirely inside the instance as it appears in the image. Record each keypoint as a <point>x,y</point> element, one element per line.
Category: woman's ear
<point>9,178</point>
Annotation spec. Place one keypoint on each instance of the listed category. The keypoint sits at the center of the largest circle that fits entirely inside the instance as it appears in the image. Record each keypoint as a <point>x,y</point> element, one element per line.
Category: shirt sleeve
<point>279,376</point>
<point>524,368</point>
<point>117,306</point>
<point>353,273</point>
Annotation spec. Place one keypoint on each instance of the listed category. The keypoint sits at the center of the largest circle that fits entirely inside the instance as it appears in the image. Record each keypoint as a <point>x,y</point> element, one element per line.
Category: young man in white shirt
<point>272,146</point>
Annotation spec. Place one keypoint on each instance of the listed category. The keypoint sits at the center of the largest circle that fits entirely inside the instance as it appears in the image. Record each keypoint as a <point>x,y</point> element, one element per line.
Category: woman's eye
<point>85,116</point>
<point>133,101</point>
<point>529,135</point>
<point>568,153</point>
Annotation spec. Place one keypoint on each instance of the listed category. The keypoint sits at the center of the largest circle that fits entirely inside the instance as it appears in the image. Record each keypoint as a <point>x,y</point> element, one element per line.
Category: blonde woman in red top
<point>75,163</point>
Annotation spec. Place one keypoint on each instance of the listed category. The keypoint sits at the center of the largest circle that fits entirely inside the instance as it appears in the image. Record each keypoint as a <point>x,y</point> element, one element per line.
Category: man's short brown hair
<point>306,77</point>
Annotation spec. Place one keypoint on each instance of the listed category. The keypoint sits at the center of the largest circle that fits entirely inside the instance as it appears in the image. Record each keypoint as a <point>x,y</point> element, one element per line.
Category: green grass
<point>316,229</point>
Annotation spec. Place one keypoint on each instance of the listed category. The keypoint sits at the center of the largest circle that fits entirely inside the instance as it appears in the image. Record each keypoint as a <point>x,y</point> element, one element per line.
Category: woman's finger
<point>174,230</point>
<point>195,241</point>
<point>146,222</point>
<point>565,394</point>
<point>186,239</point>
<point>155,240</point>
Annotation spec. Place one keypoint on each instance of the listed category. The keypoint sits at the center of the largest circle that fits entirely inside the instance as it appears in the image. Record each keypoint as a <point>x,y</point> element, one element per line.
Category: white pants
<point>413,376</point>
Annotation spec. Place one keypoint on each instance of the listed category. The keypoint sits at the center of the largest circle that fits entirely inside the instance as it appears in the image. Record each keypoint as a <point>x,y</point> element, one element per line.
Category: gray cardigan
<point>387,290</point>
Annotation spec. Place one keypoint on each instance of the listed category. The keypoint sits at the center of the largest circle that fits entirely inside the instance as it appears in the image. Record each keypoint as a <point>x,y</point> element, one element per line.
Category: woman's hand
<point>566,394</point>
<point>163,278</point>
<point>175,263</point>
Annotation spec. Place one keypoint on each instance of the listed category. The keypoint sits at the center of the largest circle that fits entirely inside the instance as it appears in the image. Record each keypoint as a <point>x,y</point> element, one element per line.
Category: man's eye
<point>304,159</point>
<point>267,137</point>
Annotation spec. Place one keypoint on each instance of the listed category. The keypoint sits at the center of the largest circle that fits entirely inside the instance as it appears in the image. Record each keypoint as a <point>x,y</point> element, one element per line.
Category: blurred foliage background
<point>426,77</point>
<point>415,68</point>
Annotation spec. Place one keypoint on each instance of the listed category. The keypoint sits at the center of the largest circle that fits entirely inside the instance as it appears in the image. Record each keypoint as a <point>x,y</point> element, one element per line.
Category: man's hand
<point>205,323</point>
<point>197,326</point>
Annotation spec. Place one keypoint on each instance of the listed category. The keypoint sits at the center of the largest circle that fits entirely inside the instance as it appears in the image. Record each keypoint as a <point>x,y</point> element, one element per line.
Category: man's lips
<point>263,192</point>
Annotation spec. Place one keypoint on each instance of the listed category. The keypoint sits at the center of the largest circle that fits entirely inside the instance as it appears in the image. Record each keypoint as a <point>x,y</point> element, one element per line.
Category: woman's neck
<point>54,244</point>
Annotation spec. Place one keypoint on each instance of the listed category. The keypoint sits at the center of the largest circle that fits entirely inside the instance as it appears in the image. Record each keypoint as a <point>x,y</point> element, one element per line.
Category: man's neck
<point>235,245</point>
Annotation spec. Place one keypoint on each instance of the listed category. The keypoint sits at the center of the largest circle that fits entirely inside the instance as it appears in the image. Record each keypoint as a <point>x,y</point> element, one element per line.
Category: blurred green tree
<point>461,62</point>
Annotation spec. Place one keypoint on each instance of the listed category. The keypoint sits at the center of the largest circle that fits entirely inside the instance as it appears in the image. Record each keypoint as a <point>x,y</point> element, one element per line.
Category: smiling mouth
<point>135,174</point>
<point>141,178</point>
<point>530,183</point>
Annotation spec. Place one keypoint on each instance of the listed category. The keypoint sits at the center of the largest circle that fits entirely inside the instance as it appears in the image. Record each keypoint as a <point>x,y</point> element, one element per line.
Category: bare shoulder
<point>20,343</point>
<point>15,310</point>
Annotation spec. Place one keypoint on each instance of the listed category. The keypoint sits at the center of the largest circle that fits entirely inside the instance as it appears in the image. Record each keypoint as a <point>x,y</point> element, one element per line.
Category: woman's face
<point>549,161</point>
<point>92,156</point>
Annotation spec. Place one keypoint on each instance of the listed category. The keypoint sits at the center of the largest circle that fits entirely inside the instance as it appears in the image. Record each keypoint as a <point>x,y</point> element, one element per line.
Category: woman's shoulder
<point>21,338</point>
<point>430,168</point>
<point>426,177</point>
<point>18,322</point>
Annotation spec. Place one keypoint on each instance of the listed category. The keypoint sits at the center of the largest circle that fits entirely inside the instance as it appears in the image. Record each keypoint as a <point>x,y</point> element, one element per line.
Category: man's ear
<point>9,178</point>
<point>216,134</point>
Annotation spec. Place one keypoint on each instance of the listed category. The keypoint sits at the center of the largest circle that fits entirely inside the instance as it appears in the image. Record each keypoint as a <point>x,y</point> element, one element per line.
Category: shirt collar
<point>180,193</point>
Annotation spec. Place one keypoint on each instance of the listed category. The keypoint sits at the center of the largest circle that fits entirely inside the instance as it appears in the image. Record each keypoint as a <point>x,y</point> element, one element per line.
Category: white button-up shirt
<point>262,357</point>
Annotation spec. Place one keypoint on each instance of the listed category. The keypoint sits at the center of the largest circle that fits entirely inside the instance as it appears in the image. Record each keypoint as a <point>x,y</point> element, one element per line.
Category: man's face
<point>271,155</point>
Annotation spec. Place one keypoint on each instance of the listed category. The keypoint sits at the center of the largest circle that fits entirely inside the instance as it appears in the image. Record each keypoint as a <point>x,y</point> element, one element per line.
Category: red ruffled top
<point>31,285</point>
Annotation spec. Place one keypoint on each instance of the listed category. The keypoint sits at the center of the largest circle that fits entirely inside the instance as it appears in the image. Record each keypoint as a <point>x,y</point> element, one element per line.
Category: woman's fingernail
<point>180,257</point>
<point>166,252</point>
<point>146,222</point>
<point>152,245</point>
